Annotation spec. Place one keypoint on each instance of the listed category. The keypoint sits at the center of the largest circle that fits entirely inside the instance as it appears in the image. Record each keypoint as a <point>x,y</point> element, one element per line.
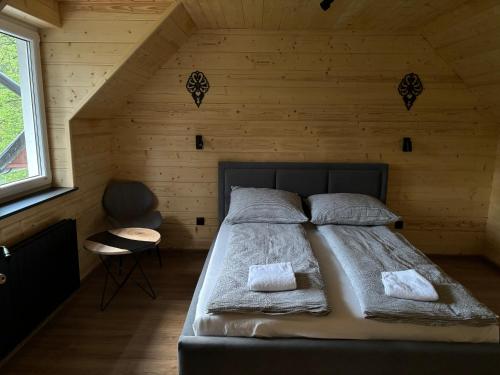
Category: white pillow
<point>349,209</point>
<point>262,205</point>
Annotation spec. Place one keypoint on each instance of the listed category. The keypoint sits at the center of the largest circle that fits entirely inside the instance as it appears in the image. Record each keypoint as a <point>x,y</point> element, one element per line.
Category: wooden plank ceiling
<point>383,15</point>
<point>173,31</point>
<point>468,39</point>
<point>380,15</point>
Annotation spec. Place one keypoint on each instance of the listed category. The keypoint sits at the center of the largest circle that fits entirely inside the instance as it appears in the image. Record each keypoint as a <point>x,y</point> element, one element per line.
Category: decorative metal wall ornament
<point>197,84</point>
<point>409,88</point>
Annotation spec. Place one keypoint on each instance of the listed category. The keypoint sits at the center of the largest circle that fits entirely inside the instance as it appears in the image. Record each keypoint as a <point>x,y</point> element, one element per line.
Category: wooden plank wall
<point>288,96</point>
<point>493,223</point>
<point>468,39</point>
<point>174,29</point>
<point>78,57</point>
<point>76,60</point>
<point>312,96</point>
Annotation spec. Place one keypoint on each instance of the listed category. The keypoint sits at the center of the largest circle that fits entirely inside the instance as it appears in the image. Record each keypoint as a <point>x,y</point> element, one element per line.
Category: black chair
<point>132,204</point>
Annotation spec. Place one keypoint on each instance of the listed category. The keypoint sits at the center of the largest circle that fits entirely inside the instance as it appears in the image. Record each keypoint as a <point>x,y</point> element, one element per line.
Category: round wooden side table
<point>116,243</point>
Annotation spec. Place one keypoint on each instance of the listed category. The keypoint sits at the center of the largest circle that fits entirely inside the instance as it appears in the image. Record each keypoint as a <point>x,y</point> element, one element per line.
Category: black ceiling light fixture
<point>325,4</point>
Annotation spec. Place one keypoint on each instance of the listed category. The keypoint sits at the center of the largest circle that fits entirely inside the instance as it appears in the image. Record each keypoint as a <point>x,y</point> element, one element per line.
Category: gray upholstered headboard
<point>302,178</point>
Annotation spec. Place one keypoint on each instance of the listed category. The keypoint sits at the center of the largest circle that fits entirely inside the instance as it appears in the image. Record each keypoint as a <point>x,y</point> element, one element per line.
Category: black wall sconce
<point>407,145</point>
<point>199,142</point>
<point>325,4</point>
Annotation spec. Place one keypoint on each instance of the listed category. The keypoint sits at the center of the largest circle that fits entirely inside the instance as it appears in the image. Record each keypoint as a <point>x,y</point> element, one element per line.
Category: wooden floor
<point>137,335</point>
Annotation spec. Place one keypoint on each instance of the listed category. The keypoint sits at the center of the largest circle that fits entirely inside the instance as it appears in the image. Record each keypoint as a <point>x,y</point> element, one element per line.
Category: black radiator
<point>36,276</point>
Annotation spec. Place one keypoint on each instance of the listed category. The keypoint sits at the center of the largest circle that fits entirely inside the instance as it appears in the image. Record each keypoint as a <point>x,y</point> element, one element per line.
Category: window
<point>24,164</point>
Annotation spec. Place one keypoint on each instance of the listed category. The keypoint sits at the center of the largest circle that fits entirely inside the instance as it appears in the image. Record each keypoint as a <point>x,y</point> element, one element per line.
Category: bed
<point>356,354</point>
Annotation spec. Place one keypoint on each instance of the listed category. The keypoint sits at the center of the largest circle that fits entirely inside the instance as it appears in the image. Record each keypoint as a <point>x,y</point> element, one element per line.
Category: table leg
<point>149,292</point>
<point>120,285</point>
<point>159,255</point>
<point>106,276</point>
<point>120,266</point>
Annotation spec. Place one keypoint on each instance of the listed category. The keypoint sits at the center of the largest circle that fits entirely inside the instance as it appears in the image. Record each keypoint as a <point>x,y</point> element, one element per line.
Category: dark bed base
<point>203,355</point>
<point>240,356</point>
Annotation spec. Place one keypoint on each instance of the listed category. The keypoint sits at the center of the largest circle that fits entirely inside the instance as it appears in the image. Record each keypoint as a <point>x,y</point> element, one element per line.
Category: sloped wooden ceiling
<point>468,48</point>
<point>140,65</point>
<point>388,15</point>
<point>468,39</point>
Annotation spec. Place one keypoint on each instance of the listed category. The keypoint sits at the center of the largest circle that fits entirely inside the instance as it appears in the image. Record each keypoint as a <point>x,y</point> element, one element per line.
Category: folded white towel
<point>271,277</point>
<point>408,284</point>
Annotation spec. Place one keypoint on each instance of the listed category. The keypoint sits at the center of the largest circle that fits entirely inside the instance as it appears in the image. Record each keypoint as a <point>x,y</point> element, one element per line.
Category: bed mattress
<point>344,322</point>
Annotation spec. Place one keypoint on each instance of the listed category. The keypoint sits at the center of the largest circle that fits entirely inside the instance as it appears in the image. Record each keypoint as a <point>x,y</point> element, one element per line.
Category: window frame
<point>29,185</point>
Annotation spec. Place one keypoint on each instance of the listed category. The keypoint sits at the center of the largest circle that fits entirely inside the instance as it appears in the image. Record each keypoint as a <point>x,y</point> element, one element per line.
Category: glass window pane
<point>19,151</point>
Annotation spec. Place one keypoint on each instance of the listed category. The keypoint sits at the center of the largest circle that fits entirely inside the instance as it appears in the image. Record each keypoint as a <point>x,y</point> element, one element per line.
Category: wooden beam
<point>173,30</point>
<point>42,14</point>
<point>3,3</point>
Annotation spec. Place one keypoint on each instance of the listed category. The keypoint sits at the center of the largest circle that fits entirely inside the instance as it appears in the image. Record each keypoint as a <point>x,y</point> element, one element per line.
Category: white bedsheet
<point>344,322</point>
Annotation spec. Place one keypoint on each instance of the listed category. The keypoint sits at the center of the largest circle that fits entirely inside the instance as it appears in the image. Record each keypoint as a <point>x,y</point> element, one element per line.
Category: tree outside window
<point>23,144</point>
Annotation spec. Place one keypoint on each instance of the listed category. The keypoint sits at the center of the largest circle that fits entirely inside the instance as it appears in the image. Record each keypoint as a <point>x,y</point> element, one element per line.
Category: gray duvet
<point>364,252</point>
<point>263,243</point>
